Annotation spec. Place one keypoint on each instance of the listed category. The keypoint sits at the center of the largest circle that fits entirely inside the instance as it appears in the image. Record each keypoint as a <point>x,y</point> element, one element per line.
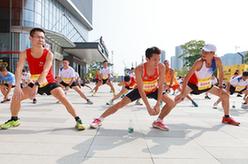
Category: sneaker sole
<point>157,127</point>
<point>231,124</point>
<point>80,129</point>
<point>95,127</point>
<point>10,127</point>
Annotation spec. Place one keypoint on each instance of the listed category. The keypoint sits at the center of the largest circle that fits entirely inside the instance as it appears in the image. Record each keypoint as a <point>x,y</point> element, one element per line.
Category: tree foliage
<point>181,72</point>
<point>246,58</point>
<point>191,52</point>
<point>92,70</point>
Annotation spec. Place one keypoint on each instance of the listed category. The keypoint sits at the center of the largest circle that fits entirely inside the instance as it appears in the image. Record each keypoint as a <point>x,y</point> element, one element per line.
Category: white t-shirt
<point>105,73</point>
<point>239,83</point>
<point>67,74</point>
<point>26,76</point>
<point>76,75</point>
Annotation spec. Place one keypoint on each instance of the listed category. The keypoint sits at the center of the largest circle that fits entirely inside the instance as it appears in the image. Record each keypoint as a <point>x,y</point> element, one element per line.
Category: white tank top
<point>204,77</point>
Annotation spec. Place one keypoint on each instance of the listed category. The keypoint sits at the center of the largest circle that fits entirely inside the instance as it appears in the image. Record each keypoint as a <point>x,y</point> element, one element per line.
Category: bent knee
<point>170,104</point>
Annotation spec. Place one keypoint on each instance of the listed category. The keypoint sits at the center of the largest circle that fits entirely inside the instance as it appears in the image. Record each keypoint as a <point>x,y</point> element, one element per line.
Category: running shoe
<point>138,103</point>
<point>239,95</point>
<point>79,125</point>
<point>215,106</point>
<point>110,102</point>
<point>160,125</point>
<point>6,100</point>
<point>10,123</point>
<point>207,97</point>
<point>96,123</point>
<point>89,102</point>
<point>34,101</point>
<point>244,106</point>
<point>230,120</point>
<point>194,103</point>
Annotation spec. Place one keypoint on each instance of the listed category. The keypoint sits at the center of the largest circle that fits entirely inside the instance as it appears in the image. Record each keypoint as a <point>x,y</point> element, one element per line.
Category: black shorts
<point>104,81</point>
<point>134,95</point>
<point>128,88</point>
<point>195,89</point>
<point>67,85</point>
<point>48,88</point>
<point>7,85</point>
<point>232,90</point>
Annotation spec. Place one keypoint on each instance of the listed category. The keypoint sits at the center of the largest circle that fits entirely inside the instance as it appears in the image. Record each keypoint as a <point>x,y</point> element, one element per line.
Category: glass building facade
<point>62,21</point>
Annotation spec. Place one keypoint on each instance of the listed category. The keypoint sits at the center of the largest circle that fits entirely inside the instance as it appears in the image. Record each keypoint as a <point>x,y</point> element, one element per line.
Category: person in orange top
<point>170,78</point>
<point>171,81</point>
<point>150,79</point>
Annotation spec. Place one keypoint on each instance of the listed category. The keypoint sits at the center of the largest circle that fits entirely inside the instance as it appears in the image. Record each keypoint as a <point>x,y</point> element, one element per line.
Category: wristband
<point>37,83</point>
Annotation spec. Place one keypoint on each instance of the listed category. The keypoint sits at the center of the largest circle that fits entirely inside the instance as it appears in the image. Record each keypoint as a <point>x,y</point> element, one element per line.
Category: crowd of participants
<point>151,79</point>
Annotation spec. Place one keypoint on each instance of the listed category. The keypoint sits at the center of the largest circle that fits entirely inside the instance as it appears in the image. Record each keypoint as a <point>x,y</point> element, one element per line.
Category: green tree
<point>181,72</point>
<point>246,58</point>
<point>191,52</point>
<point>92,70</point>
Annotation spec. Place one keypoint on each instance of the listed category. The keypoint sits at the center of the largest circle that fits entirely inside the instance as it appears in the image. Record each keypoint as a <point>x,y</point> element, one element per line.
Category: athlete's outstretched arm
<point>138,75</point>
<point>46,68</point>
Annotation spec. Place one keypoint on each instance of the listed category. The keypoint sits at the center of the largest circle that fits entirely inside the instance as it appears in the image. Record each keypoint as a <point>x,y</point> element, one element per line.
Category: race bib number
<point>204,83</point>
<point>239,88</point>
<point>67,80</point>
<point>35,77</point>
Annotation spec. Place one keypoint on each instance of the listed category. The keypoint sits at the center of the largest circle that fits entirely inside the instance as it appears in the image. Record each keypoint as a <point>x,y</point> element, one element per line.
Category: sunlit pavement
<point>197,136</point>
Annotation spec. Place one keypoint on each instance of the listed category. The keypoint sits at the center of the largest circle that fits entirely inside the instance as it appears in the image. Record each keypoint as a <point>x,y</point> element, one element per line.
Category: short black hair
<point>105,61</point>
<point>65,59</point>
<point>127,78</point>
<point>245,73</point>
<point>151,51</point>
<point>36,30</point>
<point>3,68</point>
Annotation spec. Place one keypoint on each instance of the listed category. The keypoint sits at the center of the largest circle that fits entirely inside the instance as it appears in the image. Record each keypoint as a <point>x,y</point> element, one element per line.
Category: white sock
<point>101,118</point>
<point>160,120</point>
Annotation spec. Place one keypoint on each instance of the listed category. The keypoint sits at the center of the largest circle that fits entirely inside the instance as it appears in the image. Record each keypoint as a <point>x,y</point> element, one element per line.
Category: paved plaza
<point>197,136</point>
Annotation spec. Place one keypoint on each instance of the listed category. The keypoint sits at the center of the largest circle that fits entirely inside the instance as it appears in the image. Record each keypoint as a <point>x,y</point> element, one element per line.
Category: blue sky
<point>128,27</point>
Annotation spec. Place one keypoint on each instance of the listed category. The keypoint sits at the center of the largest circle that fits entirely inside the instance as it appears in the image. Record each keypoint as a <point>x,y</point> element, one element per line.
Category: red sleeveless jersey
<point>132,83</point>
<point>36,65</point>
<point>150,83</point>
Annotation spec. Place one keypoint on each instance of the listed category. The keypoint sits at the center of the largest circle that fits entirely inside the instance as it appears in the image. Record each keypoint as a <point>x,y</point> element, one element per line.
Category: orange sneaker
<point>230,120</point>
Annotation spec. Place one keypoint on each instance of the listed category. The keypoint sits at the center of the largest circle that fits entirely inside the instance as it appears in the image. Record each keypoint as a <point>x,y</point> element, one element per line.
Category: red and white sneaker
<point>230,120</point>
<point>96,123</point>
<point>160,125</point>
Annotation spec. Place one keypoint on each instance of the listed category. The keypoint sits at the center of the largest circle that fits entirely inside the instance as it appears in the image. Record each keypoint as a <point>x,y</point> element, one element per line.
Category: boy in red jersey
<point>150,79</point>
<point>40,61</point>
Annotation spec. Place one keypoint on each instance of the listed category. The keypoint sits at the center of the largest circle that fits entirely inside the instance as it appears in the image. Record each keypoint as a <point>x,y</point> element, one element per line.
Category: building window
<point>28,18</point>
<point>29,4</point>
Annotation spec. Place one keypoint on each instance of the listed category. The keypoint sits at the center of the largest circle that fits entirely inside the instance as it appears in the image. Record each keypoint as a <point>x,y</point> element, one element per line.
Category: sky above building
<point>128,27</point>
